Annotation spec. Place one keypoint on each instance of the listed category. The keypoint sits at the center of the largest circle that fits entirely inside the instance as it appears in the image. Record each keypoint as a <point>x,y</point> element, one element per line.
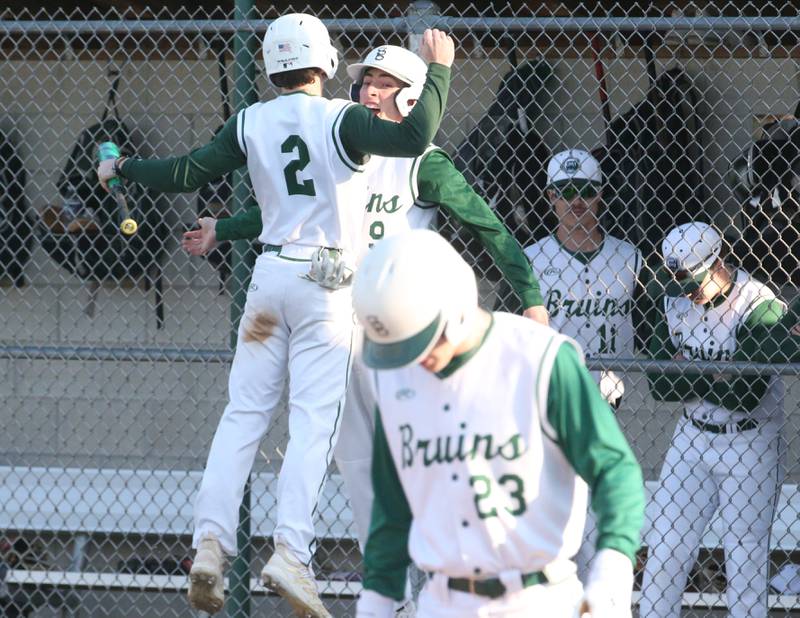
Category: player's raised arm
<point>441,183</point>
<point>363,133</point>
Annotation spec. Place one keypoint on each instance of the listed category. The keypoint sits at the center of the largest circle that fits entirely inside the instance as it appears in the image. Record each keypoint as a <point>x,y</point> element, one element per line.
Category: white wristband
<point>609,585</point>
<point>374,605</point>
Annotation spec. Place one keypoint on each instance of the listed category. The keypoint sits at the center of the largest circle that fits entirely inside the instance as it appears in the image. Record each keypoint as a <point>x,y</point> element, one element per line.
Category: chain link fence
<point>114,351</point>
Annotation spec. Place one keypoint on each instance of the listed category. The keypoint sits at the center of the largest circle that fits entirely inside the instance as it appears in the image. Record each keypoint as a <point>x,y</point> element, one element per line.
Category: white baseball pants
<point>310,341</point>
<point>560,600</point>
<point>354,449</point>
<point>738,474</point>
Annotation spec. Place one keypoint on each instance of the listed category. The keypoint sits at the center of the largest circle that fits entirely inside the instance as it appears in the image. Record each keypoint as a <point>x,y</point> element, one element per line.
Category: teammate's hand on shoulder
<point>609,586</point>
<point>374,605</point>
<point>203,239</point>
<point>438,47</point>
<point>537,313</point>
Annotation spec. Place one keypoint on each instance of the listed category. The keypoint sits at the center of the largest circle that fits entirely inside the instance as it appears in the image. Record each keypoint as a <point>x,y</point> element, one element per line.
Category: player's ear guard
<point>403,98</point>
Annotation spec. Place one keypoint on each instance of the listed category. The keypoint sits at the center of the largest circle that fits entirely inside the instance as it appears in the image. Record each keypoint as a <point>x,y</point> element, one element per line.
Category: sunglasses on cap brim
<point>570,191</point>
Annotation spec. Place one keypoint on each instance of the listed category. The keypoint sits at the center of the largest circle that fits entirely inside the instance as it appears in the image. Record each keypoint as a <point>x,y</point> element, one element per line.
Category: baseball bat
<point>599,72</point>
<point>109,150</point>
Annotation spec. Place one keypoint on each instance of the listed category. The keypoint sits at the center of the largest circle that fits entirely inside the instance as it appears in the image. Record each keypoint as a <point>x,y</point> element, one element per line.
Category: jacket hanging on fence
<point>81,232</point>
<point>15,227</point>
<point>652,165</point>
<point>504,158</point>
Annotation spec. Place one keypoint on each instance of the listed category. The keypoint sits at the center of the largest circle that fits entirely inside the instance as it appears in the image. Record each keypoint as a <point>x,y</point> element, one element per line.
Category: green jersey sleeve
<point>362,133</point>
<point>439,182</point>
<point>246,224</point>
<point>775,343</point>
<point>386,554</point>
<point>191,171</point>
<point>593,443</point>
<point>744,392</point>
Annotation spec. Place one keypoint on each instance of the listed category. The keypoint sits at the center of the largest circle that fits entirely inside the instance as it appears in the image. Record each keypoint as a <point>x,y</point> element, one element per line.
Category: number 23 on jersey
<point>484,488</point>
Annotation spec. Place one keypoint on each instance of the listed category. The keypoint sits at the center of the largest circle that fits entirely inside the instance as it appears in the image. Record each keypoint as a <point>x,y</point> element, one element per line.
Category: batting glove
<point>609,586</point>
<point>374,605</point>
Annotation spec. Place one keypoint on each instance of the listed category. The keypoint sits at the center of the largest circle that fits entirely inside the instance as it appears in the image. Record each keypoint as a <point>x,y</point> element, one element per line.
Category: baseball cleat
<point>206,585</point>
<point>291,579</point>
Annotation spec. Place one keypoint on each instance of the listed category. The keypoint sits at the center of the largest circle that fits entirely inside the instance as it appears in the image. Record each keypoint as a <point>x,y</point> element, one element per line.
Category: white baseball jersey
<point>591,301</point>
<point>709,332</point>
<point>309,191</point>
<point>516,502</point>
<point>394,205</point>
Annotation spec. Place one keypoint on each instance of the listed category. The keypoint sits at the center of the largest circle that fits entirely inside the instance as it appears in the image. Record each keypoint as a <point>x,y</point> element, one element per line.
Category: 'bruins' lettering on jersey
<point>590,297</point>
<point>709,332</point>
<point>388,212</point>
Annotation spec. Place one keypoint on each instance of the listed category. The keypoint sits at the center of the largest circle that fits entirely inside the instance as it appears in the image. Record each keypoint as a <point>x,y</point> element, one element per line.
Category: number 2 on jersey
<point>483,489</point>
<point>293,185</point>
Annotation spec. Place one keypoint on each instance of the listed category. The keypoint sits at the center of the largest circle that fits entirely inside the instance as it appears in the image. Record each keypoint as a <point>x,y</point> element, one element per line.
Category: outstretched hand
<point>437,47</point>
<point>201,240</point>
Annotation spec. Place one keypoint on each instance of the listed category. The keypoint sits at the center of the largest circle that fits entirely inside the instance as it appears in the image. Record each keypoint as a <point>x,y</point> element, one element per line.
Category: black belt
<point>743,425</point>
<point>270,249</point>
<point>492,587</point>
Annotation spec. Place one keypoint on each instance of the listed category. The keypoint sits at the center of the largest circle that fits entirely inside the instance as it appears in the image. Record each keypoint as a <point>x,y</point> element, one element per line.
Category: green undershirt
<point>589,437</point>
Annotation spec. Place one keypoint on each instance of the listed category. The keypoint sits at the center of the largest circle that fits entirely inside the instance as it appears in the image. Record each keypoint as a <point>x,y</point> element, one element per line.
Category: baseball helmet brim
<point>405,352</point>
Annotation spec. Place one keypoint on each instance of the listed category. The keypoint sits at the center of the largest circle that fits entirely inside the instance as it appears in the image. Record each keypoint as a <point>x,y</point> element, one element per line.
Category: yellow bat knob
<point>128,227</point>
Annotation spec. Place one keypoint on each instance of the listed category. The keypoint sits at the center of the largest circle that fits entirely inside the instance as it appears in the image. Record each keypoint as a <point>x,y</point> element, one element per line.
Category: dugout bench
<point>83,502</point>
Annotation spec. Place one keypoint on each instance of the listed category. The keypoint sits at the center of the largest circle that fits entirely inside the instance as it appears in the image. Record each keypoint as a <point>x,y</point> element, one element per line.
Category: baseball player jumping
<point>726,452</point>
<point>488,429</point>
<point>403,193</point>
<point>304,154</point>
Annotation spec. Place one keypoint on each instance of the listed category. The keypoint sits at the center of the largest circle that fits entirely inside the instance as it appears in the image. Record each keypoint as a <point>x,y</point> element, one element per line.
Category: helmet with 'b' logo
<point>398,62</point>
<point>410,290</point>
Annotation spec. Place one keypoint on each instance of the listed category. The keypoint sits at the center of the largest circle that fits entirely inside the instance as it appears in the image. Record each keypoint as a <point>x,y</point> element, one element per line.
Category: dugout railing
<point>676,100</point>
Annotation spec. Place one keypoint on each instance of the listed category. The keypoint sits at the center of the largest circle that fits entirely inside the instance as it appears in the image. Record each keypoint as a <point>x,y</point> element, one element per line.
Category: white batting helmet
<point>410,290</point>
<point>299,41</point>
<point>690,251</point>
<point>398,62</point>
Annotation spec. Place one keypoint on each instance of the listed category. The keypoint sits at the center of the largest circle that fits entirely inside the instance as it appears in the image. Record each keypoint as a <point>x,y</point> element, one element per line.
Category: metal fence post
<point>244,94</point>
<point>419,13</point>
